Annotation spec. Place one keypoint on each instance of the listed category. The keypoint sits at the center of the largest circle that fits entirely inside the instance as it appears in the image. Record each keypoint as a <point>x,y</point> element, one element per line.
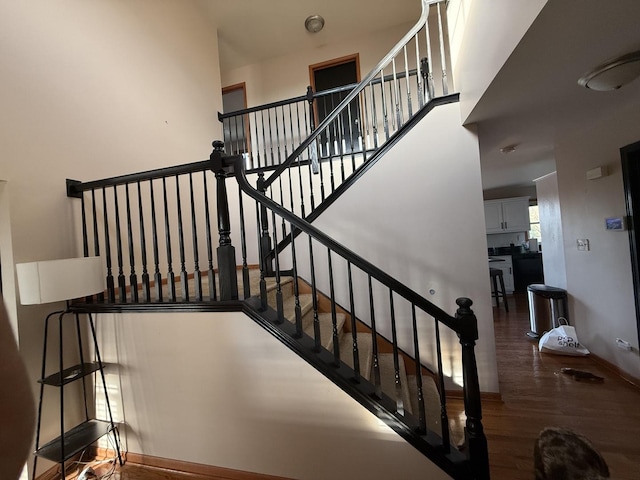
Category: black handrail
<point>347,254</point>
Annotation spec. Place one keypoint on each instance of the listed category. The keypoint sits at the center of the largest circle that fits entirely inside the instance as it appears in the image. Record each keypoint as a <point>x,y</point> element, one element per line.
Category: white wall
<point>551,228</point>
<point>236,398</point>
<point>490,33</point>
<point>418,214</point>
<point>89,90</point>
<point>599,281</point>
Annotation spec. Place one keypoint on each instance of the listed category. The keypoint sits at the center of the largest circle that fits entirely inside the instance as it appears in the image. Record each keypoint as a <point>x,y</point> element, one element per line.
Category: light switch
<point>583,244</point>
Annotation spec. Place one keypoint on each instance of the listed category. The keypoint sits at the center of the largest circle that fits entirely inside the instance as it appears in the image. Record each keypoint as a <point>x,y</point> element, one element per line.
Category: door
<point>631,178</point>
<point>236,129</point>
<point>344,136</point>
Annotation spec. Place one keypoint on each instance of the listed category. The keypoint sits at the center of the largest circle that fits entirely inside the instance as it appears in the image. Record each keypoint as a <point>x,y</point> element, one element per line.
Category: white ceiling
<point>534,98</point>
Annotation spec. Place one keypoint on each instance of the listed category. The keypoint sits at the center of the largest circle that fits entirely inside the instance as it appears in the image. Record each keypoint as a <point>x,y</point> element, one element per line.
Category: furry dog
<point>561,454</point>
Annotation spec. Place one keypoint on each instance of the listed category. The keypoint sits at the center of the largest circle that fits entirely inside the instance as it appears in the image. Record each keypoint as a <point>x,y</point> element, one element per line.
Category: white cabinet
<point>504,263</point>
<point>507,215</point>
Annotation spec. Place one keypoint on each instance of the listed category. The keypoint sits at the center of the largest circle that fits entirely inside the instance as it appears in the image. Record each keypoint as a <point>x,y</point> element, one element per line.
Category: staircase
<point>372,336</point>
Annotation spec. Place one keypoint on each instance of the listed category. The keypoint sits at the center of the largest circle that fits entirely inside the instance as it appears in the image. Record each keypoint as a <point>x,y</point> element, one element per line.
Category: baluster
<point>475,439</point>
<point>419,74</point>
<point>296,289</point>
<point>408,84</point>
<point>264,140</point>
<point>444,417</point>
<point>351,146</point>
<point>133,278</point>
<point>122,285</point>
<point>243,243</point>
<point>396,95</point>
<point>184,280</point>
<point>265,239</point>
<point>302,210</point>
<point>146,290</point>
<point>276,258</point>
<point>111,293</point>
<point>171,280</point>
<point>354,328</point>
<point>271,139</point>
<point>226,251</point>
<point>374,335</point>
<point>341,145</point>
<point>385,114</point>
<point>314,298</point>
<point>429,67</point>
<point>422,420</point>
<point>157,276</point>
<point>261,258</point>
<point>375,117</point>
<point>96,239</point>
<point>313,147</point>
<point>443,60</point>
<point>211,277</point>
<point>197,275</point>
<point>396,359</point>
<point>85,240</point>
<point>334,315</point>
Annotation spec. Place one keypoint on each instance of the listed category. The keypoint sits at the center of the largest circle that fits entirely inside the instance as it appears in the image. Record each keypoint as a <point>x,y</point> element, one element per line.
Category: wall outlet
<point>583,244</point>
<point>623,344</point>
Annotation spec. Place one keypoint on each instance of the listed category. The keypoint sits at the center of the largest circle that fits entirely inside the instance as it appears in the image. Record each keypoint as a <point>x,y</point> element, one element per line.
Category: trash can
<point>546,305</point>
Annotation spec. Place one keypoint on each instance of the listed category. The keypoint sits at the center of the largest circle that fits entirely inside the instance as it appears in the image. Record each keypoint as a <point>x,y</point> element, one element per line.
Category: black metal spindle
<point>157,276</point>
<point>374,335</point>
<point>351,145</point>
<point>444,418</point>
<point>82,366</point>
<point>422,419</point>
<point>276,258</point>
<point>302,210</point>
<point>146,288</point>
<point>96,238</point>
<point>111,291</point>
<point>261,259</point>
<point>122,285</point>
<point>334,314</point>
<point>354,332</point>
<point>296,287</point>
<point>314,299</point>
<point>246,289</point>
<point>171,279</point>
<point>265,239</point>
<point>211,276</point>
<point>197,275</point>
<point>396,357</point>
<point>133,278</point>
<point>85,240</point>
<point>184,278</point>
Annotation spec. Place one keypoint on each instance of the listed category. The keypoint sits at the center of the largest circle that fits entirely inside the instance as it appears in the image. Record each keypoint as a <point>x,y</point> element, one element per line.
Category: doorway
<point>236,129</point>
<point>631,179</point>
<point>326,77</point>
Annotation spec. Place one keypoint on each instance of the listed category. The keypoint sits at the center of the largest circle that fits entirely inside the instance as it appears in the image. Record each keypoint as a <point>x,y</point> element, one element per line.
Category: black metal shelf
<point>75,440</point>
<point>70,374</point>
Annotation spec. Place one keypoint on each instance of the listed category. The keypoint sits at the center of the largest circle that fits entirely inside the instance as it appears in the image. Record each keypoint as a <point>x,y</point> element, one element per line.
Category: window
<point>534,223</point>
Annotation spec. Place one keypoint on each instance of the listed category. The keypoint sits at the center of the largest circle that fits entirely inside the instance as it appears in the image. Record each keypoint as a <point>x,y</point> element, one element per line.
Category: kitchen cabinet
<point>507,215</point>
<point>504,263</point>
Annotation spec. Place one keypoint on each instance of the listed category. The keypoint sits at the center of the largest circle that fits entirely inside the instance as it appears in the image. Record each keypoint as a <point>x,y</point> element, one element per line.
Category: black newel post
<point>475,439</point>
<point>226,252</point>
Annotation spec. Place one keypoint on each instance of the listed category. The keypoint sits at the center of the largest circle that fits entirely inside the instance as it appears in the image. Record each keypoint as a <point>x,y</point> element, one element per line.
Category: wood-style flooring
<point>535,394</point>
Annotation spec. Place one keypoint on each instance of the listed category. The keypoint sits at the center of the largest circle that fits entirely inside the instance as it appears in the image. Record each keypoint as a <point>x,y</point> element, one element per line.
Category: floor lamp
<point>56,281</point>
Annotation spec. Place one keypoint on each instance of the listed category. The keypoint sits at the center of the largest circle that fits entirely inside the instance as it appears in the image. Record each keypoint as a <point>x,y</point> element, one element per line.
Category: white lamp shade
<point>57,280</point>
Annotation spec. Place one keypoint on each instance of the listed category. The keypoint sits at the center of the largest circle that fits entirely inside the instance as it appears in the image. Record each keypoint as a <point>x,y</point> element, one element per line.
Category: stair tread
<point>387,379</point>
<point>326,328</point>
<point>365,352</point>
<point>431,404</point>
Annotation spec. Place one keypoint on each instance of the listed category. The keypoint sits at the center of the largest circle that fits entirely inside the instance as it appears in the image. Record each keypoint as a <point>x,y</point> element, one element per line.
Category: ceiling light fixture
<point>314,23</point>
<point>509,148</point>
<point>612,74</point>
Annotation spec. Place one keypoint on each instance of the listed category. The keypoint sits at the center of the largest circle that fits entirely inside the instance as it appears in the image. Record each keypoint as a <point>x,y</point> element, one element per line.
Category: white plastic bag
<point>562,340</point>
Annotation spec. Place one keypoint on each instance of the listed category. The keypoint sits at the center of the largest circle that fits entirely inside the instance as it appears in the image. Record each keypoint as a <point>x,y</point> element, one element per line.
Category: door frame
<point>630,156</point>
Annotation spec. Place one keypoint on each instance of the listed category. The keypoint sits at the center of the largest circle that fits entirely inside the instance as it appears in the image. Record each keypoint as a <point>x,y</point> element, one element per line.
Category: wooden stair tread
<point>326,328</point>
<point>365,352</point>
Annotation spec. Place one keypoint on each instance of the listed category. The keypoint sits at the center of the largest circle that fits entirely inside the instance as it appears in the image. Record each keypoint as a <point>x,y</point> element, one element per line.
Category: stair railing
<point>395,315</point>
<point>312,157</point>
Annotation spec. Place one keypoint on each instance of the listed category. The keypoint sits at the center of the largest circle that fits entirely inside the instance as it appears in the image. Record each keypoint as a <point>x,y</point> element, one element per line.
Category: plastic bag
<point>562,340</point>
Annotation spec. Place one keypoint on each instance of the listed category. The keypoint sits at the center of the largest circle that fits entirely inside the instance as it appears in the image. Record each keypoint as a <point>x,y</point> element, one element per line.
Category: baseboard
<point>484,396</point>
<point>210,471</point>
<point>51,474</point>
<point>616,370</point>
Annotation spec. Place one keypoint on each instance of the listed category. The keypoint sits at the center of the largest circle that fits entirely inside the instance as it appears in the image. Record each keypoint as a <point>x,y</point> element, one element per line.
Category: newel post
<point>475,439</point>
<point>226,252</point>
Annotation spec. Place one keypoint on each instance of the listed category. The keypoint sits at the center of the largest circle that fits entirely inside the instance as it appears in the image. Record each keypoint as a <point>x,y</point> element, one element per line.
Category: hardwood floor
<point>535,394</point>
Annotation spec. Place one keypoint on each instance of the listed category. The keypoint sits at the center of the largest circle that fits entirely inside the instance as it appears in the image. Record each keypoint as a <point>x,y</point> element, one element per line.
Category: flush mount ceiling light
<point>314,23</point>
<point>509,148</point>
<point>613,74</point>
